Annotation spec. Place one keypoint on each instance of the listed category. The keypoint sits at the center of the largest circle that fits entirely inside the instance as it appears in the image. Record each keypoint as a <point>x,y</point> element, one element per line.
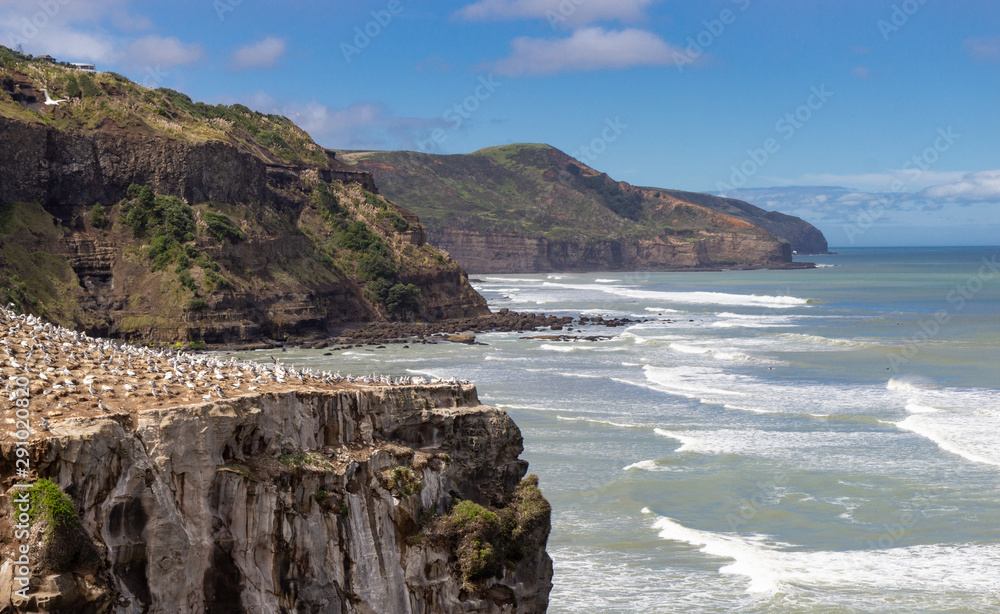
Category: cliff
<point>532,208</point>
<point>140,214</point>
<point>313,493</point>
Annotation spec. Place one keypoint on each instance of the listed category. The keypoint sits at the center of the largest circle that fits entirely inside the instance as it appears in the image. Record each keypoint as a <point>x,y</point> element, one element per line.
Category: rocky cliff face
<point>307,501</point>
<point>482,252</point>
<point>287,278</point>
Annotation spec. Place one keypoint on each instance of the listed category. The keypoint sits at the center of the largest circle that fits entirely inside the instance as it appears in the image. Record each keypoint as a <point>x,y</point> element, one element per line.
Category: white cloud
<point>589,49</point>
<point>72,31</point>
<point>258,55</point>
<point>852,217</point>
<point>972,187</point>
<point>983,49</point>
<point>911,180</point>
<point>155,50</point>
<point>366,125</point>
<point>557,12</point>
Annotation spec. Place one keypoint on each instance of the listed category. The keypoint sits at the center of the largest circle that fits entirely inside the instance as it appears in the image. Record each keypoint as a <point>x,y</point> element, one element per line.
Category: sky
<point>876,120</point>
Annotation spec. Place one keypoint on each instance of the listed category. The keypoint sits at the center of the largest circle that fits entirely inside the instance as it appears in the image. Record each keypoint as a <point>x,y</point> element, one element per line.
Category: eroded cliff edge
<point>302,501</point>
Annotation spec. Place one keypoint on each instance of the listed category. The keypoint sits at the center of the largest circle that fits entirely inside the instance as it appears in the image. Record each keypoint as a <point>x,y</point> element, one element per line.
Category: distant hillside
<point>141,214</point>
<point>532,208</point>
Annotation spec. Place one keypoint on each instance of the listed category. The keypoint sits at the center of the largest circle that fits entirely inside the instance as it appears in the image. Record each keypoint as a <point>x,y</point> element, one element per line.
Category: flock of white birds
<point>69,372</point>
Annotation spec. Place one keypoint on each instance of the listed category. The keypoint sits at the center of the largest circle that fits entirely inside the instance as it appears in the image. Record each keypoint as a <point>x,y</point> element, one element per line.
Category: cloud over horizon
<point>983,186</point>
<point>857,217</point>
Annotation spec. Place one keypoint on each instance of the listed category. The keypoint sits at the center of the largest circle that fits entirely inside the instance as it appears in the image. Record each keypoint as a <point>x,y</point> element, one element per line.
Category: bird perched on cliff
<point>48,99</point>
<point>100,404</point>
<point>45,425</point>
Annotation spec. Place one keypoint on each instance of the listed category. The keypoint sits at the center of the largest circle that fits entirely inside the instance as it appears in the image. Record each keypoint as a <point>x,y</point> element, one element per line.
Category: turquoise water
<point>822,440</point>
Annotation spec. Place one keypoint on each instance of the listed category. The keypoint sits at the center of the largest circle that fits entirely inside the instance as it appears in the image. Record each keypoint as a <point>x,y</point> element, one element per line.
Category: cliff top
<point>109,102</point>
<point>71,375</point>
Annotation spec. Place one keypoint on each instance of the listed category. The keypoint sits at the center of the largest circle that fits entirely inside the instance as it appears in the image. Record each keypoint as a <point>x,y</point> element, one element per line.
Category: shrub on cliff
<point>374,265</point>
<point>160,215</point>
<point>88,87</point>
<point>98,219</point>
<point>486,541</point>
<point>73,87</point>
<point>56,531</point>
<point>357,237</point>
<point>50,504</point>
<point>223,228</point>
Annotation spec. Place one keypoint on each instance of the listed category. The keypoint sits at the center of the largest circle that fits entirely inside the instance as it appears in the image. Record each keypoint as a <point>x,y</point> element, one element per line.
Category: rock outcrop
<point>278,503</point>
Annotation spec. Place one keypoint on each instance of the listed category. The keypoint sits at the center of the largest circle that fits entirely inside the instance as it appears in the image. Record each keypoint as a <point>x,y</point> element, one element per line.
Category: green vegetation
<point>73,87</point>
<point>87,86</point>
<point>170,222</point>
<point>237,468</point>
<point>161,257</point>
<point>97,217</point>
<point>50,504</point>
<point>400,481</point>
<point>486,541</point>
<point>223,228</point>
<point>162,216</point>
<point>310,460</point>
<point>165,111</point>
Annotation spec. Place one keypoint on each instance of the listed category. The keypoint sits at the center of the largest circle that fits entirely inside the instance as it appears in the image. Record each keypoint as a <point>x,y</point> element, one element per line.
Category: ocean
<point>822,440</point>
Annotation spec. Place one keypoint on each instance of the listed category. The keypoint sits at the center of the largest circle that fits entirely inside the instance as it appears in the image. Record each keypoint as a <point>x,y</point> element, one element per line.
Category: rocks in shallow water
<point>503,320</point>
<point>467,339</point>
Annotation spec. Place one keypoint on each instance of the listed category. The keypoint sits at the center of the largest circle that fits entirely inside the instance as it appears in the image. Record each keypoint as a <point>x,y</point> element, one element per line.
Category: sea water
<point>823,440</point>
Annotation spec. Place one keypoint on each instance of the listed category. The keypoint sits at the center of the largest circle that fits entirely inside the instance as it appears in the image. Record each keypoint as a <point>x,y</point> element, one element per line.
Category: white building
<point>84,66</point>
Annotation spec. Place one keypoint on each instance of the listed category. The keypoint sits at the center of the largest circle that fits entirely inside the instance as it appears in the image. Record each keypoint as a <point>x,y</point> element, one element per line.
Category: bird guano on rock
<point>71,374</point>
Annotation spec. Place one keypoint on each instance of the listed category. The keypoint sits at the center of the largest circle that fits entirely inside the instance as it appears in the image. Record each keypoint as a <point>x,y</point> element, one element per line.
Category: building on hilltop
<point>84,66</point>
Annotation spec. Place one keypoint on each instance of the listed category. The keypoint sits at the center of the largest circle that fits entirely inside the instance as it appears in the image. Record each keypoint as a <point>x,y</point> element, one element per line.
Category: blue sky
<point>877,120</point>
